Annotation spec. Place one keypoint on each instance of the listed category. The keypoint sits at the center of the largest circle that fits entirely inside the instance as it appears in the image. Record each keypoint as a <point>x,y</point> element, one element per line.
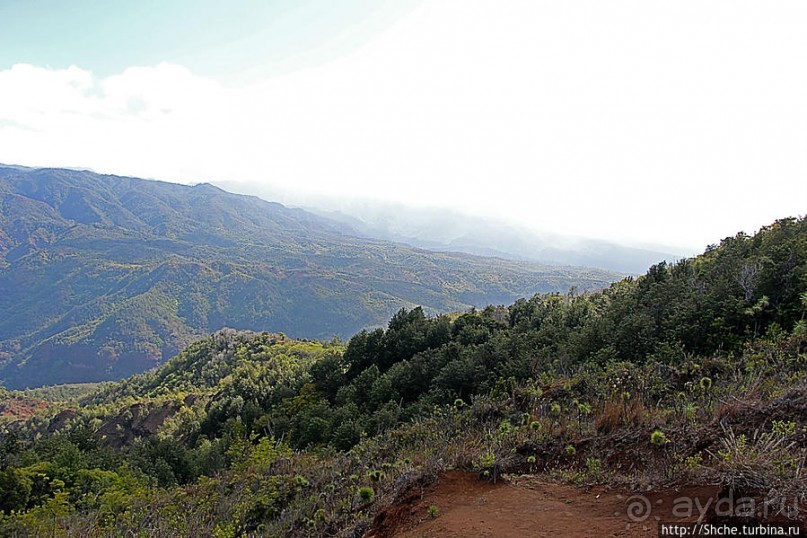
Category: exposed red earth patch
<point>533,506</point>
<point>20,407</point>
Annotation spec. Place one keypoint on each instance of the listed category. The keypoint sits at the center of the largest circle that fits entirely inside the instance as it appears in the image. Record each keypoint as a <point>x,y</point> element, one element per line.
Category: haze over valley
<point>447,229</point>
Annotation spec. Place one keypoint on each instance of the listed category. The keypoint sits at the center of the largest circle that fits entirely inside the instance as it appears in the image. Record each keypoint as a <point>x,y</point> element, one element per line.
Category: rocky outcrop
<point>136,421</point>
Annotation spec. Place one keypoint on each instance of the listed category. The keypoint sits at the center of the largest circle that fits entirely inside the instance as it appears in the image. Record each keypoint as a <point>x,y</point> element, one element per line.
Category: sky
<point>645,122</point>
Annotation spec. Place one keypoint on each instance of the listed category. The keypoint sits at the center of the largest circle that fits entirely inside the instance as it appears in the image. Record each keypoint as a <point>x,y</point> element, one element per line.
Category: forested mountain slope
<point>694,373</point>
<point>105,276</point>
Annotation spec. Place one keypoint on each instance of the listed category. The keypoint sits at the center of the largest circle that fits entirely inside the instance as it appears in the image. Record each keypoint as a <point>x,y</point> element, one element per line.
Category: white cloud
<point>147,120</point>
<point>648,121</point>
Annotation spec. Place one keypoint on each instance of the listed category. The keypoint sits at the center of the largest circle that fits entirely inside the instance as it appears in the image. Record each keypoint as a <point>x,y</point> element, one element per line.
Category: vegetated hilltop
<point>106,276</point>
<point>691,374</point>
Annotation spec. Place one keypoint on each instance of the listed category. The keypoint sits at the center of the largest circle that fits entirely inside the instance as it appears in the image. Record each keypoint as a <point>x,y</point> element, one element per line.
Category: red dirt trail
<point>525,506</point>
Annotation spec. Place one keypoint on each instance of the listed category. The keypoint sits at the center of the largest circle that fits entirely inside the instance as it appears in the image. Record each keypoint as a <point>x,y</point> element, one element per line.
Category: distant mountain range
<point>448,230</point>
<point>105,276</point>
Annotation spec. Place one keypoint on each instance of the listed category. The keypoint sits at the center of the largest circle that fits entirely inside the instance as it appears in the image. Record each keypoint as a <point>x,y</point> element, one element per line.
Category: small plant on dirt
<point>536,426</point>
<point>531,459</point>
<point>556,409</point>
<point>570,450</point>
<point>706,383</point>
<point>685,466</point>
<point>658,438</point>
<point>433,511</point>
<point>367,494</point>
<point>694,462</point>
<point>690,411</point>
<point>487,461</point>
<point>783,429</point>
<point>224,530</point>
<point>594,468</point>
<point>375,476</point>
<point>583,409</point>
<point>572,476</point>
<point>734,448</point>
<point>765,461</point>
<point>534,391</point>
<point>489,466</point>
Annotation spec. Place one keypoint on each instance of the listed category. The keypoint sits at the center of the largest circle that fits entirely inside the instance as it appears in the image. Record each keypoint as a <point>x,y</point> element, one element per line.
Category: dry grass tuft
<point>618,413</point>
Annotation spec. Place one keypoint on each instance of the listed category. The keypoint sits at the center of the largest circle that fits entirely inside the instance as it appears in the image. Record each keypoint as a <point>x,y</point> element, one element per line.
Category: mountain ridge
<point>108,276</point>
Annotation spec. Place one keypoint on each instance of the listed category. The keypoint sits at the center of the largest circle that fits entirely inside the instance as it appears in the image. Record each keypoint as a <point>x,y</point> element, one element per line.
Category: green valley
<point>104,276</point>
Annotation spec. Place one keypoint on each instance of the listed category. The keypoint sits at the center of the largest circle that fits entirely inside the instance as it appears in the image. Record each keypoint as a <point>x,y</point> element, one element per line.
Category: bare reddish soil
<point>525,506</point>
<point>20,407</point>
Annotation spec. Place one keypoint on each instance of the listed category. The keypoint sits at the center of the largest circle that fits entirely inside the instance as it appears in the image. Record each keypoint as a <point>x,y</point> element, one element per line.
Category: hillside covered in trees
<point>105,276</point>
<point>691,373</point>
